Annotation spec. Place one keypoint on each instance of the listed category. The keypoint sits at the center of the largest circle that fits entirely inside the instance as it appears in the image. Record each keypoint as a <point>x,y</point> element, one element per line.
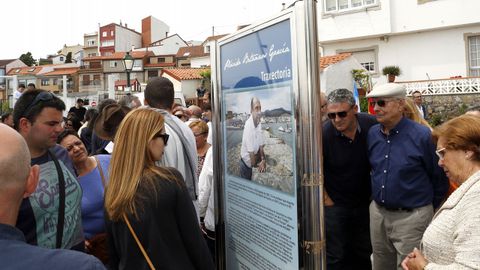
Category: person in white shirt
<point>417,98</point>
<point>206,201</point>
<point>252,154</point>
<point>18,93</point>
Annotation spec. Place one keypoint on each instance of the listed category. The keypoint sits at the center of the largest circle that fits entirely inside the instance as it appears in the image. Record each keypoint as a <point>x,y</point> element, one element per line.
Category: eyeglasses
<point>164,136</point>
<point>441,153</point>
<point>340,114</point>
<point>380,102</point>
<point>43,96</point>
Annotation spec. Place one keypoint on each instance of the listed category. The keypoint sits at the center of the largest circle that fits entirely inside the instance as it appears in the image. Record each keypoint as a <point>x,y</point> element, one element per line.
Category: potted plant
<point>362,79</point>
<point>391,72</point>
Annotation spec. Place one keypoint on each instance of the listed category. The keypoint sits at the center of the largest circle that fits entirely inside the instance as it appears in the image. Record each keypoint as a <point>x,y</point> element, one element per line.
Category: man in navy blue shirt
<point>17,181</point>
<point>407,183</point>
<point>347,183</point>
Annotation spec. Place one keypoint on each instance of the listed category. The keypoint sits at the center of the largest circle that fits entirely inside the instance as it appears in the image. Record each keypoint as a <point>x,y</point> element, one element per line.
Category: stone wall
<point>444,107</point>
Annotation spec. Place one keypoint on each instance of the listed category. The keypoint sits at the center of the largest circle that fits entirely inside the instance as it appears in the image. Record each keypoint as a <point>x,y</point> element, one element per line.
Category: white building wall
<point>189,88</point>
<point>177,85</point>
<point>169,45</point>
<point>392,17</point>
<point>440,53</point>
<point>372,22</point>
<point>200,62</point>
<point>159,29</point>
<point>125,39</point>
<point>14,64</point>
<point>339,75</point>
<point>408,15</point>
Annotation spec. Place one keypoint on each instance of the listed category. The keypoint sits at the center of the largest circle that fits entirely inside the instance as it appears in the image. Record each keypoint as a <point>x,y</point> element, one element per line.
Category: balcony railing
<point>454,86</point>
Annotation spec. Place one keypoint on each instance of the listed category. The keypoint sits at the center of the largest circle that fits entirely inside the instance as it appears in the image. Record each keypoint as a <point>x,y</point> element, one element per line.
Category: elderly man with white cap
<point>407,183</point>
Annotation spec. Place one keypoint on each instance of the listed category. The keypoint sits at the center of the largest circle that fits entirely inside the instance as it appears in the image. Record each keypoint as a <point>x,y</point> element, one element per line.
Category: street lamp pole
<point>128,64</point>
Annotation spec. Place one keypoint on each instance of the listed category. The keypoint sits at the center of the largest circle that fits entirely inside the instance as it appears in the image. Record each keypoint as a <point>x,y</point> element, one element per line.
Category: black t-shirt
<point>80,112</point>
<point>346,165</point>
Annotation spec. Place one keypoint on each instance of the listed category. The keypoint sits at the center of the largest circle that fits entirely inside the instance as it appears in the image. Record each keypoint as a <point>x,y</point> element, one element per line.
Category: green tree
<point>69,58</point>
<point>28,59</point>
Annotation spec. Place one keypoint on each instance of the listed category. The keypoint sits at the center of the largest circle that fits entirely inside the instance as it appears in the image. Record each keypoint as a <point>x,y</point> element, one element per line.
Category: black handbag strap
<point>61,205</point>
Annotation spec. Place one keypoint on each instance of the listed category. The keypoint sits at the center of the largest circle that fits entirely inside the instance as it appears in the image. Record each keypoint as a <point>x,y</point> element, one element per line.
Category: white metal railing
<point>454,86</point>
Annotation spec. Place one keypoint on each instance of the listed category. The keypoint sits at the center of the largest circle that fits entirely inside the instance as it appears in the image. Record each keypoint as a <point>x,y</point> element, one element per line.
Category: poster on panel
<point>258,127</point>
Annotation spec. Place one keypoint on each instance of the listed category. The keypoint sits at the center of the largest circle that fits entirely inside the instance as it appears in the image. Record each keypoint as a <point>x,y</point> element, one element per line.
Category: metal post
<point>312,182</point>
<point>65,91</point>
<point>128,82</point>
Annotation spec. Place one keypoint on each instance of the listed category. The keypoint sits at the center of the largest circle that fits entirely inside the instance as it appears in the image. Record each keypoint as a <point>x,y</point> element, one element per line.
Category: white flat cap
<point>388,90</point>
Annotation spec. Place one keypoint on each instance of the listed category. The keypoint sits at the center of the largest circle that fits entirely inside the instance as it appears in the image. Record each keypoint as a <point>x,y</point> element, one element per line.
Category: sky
<point>44,26</point>
<point>270,98</point>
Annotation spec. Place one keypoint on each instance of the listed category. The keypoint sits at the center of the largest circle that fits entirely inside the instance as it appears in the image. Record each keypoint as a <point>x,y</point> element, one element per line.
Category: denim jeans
<point>245,171</point>
<point>348,237</point>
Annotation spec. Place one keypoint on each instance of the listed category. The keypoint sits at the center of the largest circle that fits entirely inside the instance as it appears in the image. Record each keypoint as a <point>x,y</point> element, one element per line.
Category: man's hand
<point>327,201</point>
<point>262,166</point>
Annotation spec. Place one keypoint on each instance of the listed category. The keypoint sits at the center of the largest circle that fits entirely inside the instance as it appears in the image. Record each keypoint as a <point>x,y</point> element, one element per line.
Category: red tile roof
<point>333,59</point>
<point>182,74</point>
<point>191,51</point>
<point>62,71</point>
<point>25,70</point>
<point>120,56</point>
<point>159,65</point>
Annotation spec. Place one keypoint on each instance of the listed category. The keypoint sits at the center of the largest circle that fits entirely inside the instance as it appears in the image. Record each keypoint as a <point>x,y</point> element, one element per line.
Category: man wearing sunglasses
<point>347,183</point>
<point>407,183</point>
<point>51,216</point>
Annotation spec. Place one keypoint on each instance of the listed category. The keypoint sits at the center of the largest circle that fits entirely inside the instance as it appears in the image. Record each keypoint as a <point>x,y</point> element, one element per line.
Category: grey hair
<point>341,95</point>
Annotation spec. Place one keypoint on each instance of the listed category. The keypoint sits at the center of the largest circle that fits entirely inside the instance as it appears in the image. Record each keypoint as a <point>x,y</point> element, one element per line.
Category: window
<point>367,59</point>
<point>152,73</point>
<point>61,59</point>
<point>107,43</point>
<point>161,59</point>
<point>96,79</point>
<point>137,63</point>
<point>86,80</point>
<point>104,34</point>
<point>111,33</point>
<point>55,81</point>
<point>91,42</point>
<point>332,6</point>
<point>474,55</point>
<point>45,82</point>
<point>113,64</point>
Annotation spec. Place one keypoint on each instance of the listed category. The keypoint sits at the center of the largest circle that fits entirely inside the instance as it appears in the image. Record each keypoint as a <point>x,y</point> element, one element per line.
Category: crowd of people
<point>399,194</point>
<point>119,182</point>
<point>133,185</point>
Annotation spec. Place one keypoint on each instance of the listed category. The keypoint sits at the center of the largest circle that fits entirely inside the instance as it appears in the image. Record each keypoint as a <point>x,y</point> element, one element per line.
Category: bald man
<point>17,181</point>
<point>251,151</point>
